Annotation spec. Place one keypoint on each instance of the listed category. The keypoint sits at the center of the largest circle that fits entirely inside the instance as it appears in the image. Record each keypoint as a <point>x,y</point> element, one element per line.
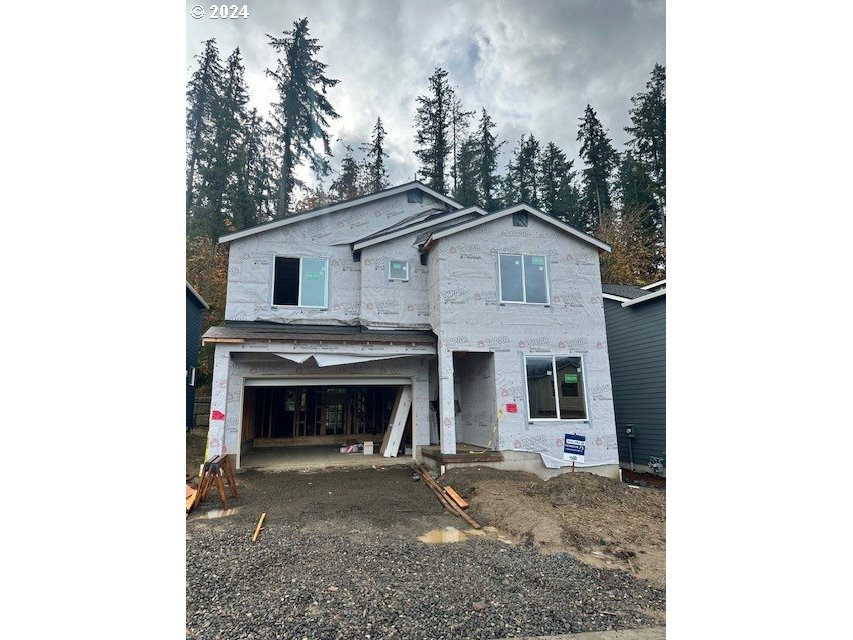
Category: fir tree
<point>466,191</point>
<point>433,128</point>
<point>202,96</point>
<point>600,159</point>
<point>459,119</point>
<point>301,112</point>
<point>523,172</point>
<point>487,163</point>
<point>558,194</point>
<point>249,195</point>
<point>348,183</point>
<point>648,132</point>
<point>375,174</point>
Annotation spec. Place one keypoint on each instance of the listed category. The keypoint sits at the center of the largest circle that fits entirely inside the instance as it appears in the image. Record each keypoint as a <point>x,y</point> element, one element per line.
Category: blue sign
<point>574,447</point>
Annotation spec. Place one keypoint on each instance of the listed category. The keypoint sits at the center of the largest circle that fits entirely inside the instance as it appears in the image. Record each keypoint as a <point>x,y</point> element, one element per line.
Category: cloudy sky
<point>533,64</point>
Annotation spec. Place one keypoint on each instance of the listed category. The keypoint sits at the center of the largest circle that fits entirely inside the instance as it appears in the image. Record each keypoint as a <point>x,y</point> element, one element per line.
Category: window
<point>191,376</point>
<point>301,282</point>
<point>555,388</point>
<point>523,278</point>
<point>398,270</point>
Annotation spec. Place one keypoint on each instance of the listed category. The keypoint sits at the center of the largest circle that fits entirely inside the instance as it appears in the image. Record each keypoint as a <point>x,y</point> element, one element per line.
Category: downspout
<point>629,432</point>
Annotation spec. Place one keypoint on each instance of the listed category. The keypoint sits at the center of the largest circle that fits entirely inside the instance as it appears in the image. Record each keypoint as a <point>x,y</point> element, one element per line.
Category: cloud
<point>533,64</point>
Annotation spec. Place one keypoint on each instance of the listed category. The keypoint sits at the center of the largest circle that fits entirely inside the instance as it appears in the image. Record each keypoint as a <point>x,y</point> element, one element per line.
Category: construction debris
<point>456,497</point>
<point>446,501</point>
<point>258,528</point>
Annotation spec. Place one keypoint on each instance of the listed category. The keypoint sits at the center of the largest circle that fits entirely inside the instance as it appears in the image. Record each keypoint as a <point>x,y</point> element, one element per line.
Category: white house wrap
<point>423,306</point>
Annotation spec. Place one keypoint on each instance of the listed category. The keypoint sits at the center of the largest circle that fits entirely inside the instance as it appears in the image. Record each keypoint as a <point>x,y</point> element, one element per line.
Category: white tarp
<point>333,359</point>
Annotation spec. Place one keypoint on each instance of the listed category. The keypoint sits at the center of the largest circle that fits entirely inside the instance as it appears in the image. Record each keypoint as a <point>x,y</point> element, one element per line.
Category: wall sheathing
<point>251,262</point>
<point>393,303</point>
<point>467,316</point>
<point>234,363</point>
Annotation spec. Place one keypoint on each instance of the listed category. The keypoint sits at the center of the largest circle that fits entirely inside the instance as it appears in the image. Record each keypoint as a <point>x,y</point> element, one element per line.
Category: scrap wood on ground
<point>602,522</point>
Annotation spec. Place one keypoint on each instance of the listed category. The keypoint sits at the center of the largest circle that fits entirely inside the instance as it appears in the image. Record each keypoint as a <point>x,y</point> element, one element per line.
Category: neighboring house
<point>636,339</point>
<point>493,322</point>
<point>195,307</point>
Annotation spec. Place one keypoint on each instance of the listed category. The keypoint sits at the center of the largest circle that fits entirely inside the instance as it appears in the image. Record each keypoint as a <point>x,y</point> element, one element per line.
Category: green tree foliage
<point>433,129</point>
<point>487,148</point>
<point>301,112</point>
<point>600,158</point>
<point>467,191</point>
<point>249,196</point>
<point>558,194</point>
<point>373,168</point>
<point>348,183</point>
<point>648,132</point>
<point>202,97</point>
<point>209,214</point>
<point>523,172</point>
<point>459,120</point>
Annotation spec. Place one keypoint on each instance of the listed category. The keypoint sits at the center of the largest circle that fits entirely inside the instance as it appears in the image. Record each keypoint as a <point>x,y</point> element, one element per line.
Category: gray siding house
<point>195,307</point>
<point>636,337</point>
<point>492,324</point>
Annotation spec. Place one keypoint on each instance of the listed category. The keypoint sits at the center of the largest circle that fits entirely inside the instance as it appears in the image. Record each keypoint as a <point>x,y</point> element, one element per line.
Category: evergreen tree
<point>202,96</point>
<point>600,159</point>
<point>487,163</point>
<point>466,191</point>
<point>559,196</point>
<point>523,172</point>
<point>249,196</point>
<point>348,184</point>
<point>433,129</point>
<point>459,119</point>
<point>648,132</point>
<point>209,215</point>
<point>375,174</point>
<point>301,112</point>
<point>637,190</point>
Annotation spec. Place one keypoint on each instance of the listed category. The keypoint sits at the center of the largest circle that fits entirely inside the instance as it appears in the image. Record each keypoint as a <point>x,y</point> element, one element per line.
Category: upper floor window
<point>398,270</point>
<point>301,282</point>
<point>555,387</point>
<point>523,278</point>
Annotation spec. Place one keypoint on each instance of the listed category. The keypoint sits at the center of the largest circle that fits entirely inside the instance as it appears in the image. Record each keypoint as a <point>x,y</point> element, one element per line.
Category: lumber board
<point>399,415</point>
<point>258,528</point>
<point>439,492</point>
<point>460,502</point>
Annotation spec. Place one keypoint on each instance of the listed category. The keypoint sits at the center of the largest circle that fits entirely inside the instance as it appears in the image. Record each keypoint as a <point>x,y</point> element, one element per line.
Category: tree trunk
<point>284,183</point>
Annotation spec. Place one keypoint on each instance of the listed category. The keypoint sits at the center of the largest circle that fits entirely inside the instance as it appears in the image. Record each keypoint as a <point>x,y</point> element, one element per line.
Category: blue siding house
<point>636,340</point>
<point>195,307</point>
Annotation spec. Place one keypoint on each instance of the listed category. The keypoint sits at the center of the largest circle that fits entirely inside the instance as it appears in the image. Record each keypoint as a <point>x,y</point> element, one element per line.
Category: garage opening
<point>331,414</point>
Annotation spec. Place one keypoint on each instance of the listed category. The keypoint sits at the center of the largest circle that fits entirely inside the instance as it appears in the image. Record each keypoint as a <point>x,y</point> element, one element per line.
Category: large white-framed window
<point>556,389</point>
<point>300,282</point>
<point>523,278</point>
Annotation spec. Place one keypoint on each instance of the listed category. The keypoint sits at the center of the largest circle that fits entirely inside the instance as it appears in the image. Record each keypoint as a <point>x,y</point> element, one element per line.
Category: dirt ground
<point>603,522</point>
<point>196,443</point>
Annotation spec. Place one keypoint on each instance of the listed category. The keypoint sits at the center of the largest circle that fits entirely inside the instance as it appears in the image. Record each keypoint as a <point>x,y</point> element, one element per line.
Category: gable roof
<point>430,223</point>
<point>622,292</point>
<point>338,206</point>
<point>195,295</point>
<point>544,217</point>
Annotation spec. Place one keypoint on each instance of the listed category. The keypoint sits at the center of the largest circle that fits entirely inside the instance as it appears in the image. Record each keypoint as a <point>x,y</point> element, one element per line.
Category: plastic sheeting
<point>329,360</point>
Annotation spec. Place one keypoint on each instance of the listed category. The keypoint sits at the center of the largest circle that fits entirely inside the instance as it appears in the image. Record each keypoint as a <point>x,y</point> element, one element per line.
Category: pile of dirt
<point>601,521</point>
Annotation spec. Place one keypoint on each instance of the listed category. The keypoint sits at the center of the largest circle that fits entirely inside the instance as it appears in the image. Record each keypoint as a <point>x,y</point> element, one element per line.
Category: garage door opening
<point>283,416</point>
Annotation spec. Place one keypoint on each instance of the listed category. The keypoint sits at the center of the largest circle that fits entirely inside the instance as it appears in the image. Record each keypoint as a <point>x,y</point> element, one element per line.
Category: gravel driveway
<point>339,558</point>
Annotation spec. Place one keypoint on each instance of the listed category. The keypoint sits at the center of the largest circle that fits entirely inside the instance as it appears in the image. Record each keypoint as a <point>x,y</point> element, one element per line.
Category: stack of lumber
<point>448,498</point>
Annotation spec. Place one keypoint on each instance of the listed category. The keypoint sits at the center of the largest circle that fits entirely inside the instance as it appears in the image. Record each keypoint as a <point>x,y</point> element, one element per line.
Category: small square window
<point>398,270</point>
<point>519,219</point>
<point>414,196</point>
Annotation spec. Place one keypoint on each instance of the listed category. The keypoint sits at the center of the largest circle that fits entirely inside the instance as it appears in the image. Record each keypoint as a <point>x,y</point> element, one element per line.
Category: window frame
<point>554,357</point>
<point>547,302</point>
<point>299,304</point>
<point>390,279</point>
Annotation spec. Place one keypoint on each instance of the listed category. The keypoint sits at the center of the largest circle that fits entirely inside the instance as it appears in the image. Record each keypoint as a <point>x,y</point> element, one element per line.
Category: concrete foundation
<point>530,462</point>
